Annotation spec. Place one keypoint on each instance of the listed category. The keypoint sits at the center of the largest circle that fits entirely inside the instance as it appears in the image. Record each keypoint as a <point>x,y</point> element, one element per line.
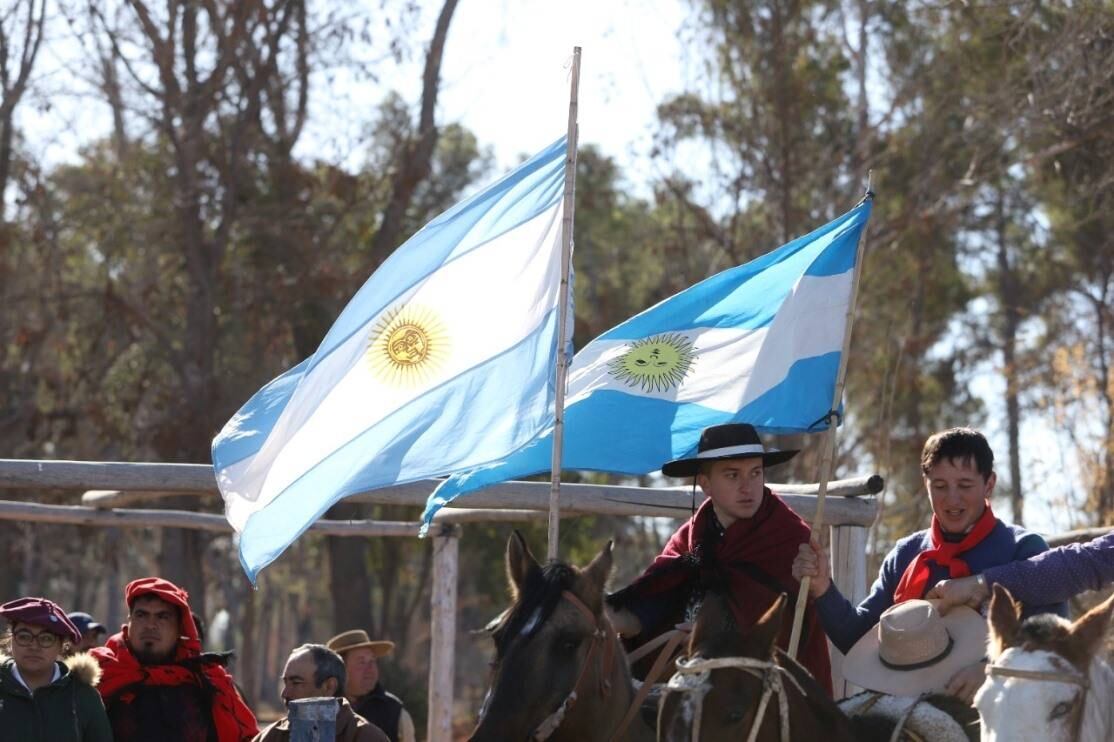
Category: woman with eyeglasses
<point>42,698</point>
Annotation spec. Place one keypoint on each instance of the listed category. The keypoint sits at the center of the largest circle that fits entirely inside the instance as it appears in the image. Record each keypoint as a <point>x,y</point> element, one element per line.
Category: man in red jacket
<point>156,682</point>
<point>741,541</point>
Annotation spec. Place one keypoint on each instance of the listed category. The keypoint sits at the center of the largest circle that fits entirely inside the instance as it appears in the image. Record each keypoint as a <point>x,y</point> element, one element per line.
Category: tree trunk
<point>1009,303</point>
<point>417,155</point>
<point>349,582</point>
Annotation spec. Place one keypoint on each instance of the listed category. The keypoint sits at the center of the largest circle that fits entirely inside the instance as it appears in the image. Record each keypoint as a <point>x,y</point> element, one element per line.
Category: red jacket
<point>123,676</point>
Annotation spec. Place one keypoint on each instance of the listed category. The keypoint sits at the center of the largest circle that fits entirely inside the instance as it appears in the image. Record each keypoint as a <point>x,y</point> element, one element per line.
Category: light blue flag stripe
<point>629,433</point>
<point>530,189</point>
<point>514,199</point>
<point>751,294</point>
<point>410,443</point>
<point>474,294</point>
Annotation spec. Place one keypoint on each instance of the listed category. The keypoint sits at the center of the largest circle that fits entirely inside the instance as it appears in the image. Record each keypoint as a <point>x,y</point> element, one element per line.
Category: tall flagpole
<point>828,451</point>
<point>563,318</point>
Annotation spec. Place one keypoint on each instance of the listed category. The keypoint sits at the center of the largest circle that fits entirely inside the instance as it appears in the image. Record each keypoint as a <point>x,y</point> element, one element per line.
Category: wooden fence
<point>109,489</point>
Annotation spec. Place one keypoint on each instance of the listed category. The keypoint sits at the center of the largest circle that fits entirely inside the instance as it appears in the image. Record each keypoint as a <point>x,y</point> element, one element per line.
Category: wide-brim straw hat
<point>731,441</point>
<point>914,650</point>
<point>357,639</point>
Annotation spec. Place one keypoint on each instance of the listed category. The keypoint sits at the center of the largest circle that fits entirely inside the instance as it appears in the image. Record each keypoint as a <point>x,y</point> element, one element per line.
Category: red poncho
<point>233,720</point>
<point>753,559</point>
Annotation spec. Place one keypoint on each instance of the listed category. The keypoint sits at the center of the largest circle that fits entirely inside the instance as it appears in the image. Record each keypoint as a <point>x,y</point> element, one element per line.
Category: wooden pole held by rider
<point>827,455</point>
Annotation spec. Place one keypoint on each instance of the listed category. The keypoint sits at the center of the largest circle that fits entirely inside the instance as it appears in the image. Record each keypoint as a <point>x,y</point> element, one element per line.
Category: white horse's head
<point>1046,680</point>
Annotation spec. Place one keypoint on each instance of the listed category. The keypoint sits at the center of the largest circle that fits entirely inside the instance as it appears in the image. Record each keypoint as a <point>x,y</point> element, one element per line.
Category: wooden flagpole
<point>827,455</point>
<point>563,330</point>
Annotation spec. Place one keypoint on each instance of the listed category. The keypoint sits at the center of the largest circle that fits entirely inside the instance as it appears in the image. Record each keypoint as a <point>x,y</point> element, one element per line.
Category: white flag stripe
<point>359,399</point>
<point>726,373</point>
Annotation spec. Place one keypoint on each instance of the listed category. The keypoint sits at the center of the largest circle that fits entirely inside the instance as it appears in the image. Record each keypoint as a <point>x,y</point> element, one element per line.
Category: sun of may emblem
<point>656,364</point>
<point>407,345</point>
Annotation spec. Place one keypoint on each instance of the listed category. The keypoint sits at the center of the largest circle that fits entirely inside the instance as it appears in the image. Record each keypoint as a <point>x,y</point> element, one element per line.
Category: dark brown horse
<point>740,686</point>
<point>559,671</point>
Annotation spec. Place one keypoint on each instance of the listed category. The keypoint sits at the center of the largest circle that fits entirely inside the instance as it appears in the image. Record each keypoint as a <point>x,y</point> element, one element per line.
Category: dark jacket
<point>382,709</point>
<point>67,710</point>
<point>350,728</point>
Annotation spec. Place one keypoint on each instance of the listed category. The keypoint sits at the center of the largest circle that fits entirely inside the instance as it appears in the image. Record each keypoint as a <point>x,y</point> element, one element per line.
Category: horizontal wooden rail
<point>30,512</point>
<point>116,484</point>
<point>1077,536</point>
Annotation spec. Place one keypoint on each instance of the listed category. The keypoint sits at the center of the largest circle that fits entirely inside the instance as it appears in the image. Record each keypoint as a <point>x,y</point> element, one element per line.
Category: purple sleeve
<point>1058,574</point>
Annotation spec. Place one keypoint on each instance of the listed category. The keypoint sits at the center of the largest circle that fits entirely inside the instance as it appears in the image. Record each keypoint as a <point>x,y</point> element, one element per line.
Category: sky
<point>506,74</point>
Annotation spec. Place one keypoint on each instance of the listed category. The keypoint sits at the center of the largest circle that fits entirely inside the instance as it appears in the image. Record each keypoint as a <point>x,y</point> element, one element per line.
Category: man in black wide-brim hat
<point>742,541</point>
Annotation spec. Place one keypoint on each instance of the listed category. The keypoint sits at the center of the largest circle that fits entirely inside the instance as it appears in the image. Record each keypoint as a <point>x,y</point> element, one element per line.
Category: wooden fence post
<point>848,553</point>
<point>446,553</point>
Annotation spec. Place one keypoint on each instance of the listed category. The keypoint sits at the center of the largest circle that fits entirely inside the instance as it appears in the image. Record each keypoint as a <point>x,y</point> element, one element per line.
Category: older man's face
<point>298,679</point>
<point>362,671</point>
<point>153,630</point>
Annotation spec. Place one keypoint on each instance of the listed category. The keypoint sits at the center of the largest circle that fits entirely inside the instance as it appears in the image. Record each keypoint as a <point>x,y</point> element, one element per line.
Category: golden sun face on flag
<point>658,363</point>
<point>407,346</point>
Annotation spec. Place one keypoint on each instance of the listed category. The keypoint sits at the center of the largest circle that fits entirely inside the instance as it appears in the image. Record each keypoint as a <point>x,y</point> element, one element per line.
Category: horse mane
<point>534,604</point>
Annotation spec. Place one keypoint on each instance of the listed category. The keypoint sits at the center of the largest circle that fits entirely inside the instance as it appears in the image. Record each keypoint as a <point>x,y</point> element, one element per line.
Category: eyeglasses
<point>45,639</point>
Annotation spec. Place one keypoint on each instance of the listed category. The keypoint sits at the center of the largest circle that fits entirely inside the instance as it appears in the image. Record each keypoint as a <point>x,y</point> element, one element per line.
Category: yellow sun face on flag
<point>658,363</point>
<point>407,346</point>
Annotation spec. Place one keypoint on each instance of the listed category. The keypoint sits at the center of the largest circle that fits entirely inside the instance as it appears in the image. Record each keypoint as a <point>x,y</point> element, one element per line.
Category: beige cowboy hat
<point>356,639</point>
<point>915,650</point>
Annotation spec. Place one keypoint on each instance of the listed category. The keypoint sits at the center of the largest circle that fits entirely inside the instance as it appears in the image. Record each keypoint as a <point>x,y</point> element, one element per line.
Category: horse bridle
<point>693,678</point>
<point>600,637</point>
<point>1073,678</point>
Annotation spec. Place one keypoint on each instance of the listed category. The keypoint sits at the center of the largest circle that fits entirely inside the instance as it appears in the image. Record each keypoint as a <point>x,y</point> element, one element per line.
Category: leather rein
<point>1073,678</point>
<point>603,636</point>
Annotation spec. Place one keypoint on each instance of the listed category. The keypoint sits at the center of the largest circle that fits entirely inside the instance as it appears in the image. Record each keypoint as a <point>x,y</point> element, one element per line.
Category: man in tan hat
<point>314,671</point>
<point>362,687</point>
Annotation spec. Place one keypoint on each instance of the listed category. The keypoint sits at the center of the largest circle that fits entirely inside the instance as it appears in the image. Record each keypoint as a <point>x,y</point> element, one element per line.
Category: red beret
<point>41,612</point>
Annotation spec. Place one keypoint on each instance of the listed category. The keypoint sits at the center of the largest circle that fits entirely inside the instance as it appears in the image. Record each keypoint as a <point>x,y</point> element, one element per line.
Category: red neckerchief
<point>914,582</point>
<point>120,669</point>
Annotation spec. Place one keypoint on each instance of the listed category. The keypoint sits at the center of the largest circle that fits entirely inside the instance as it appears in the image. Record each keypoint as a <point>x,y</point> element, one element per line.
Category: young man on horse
<point>965,539</point>
<point>741,541</point>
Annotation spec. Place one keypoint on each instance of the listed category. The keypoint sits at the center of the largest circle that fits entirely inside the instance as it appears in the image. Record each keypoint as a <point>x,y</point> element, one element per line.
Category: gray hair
<point>327,664</point>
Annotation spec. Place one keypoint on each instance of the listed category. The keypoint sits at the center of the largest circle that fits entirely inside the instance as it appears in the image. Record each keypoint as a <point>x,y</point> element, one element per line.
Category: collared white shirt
<point>19,678</point>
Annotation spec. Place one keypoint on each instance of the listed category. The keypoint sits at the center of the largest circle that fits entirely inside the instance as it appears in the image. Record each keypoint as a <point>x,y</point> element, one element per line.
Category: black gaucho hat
<point>732,441</point>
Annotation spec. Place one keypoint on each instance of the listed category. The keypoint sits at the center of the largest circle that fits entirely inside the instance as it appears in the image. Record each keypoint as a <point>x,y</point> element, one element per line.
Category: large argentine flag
<point>443,361</point>
<point>759,343</point>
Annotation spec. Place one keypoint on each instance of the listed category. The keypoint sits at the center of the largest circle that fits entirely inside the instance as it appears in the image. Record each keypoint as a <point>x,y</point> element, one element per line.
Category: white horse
<point>1047,679</point>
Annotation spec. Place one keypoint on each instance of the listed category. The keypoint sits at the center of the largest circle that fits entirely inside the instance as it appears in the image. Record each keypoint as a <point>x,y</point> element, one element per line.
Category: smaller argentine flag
<point>443,361</point>
<point>759,343</point>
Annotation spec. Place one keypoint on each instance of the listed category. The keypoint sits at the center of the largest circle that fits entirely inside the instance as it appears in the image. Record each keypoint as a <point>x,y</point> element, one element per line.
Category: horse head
<point>559,672</point>
<point>738,685</point>
<point>1046,680</point>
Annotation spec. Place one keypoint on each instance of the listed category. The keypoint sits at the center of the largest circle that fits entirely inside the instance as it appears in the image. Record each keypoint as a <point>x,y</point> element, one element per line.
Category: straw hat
<point>914,649</point>
<point>356,639</point>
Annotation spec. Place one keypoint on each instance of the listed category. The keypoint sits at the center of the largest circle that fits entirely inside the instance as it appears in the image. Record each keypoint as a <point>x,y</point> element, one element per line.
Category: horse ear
<point>519,561</point>
<point>767,629</point>
<point>599,570</point>
<point>1005,619</point>
<point>1089,631</point>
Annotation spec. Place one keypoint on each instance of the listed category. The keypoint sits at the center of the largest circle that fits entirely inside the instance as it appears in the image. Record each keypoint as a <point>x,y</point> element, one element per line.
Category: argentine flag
<point>443,361</point>
<point>759,343</point>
